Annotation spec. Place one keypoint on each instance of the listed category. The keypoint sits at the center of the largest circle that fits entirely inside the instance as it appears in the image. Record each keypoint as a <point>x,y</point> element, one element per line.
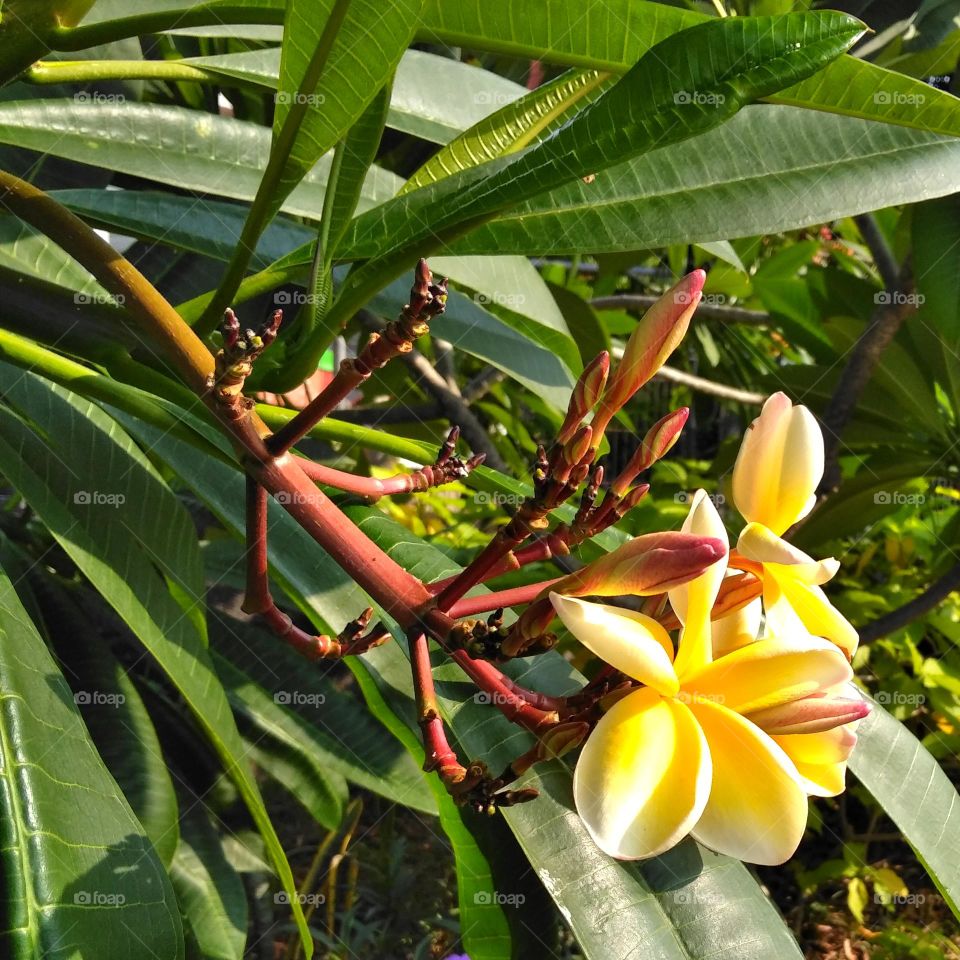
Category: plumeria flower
<point>778,468</point>
<point>683,754</point>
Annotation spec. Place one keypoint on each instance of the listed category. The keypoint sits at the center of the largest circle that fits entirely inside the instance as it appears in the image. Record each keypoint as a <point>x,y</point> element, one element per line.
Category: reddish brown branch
<point>485,602</point>
<point>427,299</point>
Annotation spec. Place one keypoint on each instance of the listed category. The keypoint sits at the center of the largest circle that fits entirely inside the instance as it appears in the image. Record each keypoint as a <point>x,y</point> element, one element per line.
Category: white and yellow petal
<point>631,642</point>
<point>769,672</point>
<point>643,777</point>
<point>757,810</point>
<point>779,465</point>
<point>761,544</point>
<point>692,602</point>
<point>821,758</point>
<point>789,604</point>
<point>737,629</point>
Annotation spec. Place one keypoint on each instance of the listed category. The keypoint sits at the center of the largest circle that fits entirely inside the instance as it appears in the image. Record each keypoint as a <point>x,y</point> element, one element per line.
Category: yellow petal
<point>760,543</point>
<point>825,746</point>
<point>757,810</point>
<point>789,603</point>
<point>779,465</point>
<point>633,643</point>
<point>769,672</point>
<point>643,776</point>
<point>737,629</point>
<point>693,601</point>
<point>823,780</point>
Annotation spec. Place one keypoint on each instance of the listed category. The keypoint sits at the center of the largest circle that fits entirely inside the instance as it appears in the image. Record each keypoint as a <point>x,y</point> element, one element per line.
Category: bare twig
<point>882,255</point>
<point>705,311</point>
<point>709,386</point>
<point>932,597</point>
<point>894,307</point>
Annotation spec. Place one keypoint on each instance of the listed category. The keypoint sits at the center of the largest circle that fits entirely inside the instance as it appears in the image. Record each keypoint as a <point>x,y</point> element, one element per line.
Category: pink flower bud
<point>652,563</point>
<point>809,715</point>
<point>656,444</point>
<point>585,394</point>
<point>656,336</point>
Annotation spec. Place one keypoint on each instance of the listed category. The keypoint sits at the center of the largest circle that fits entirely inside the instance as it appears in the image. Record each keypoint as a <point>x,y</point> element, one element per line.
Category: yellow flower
<point>779,465</point>
<point>680,755</point>
<point>775,479</point>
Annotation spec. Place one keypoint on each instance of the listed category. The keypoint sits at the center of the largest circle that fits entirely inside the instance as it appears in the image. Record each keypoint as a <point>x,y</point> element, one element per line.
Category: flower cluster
<point>726,736</point>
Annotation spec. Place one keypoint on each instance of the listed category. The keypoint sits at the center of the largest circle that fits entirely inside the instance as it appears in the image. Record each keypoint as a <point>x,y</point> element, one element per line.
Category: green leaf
<point>622,31</point>
<point>721,65</point>
<point>434,98</point>
<point>936,240</point>
<point>173,145</point>
<point>115,715</point>
<point>915,793</point>
<point>209,890</point>
<point>338,56</point>
<point>260,672</point>
<point>277,743</point>
<point>513,126</point>
<point>74,484</point>
<point>79,871</point>
<point>813,168</point>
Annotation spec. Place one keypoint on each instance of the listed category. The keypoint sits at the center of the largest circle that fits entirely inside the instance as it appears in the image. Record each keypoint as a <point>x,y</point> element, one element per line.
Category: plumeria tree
<point>604,702</point>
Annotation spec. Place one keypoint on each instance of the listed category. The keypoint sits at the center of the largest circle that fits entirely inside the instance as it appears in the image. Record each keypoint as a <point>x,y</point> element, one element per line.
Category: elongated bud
<point>658,441</point>
<point>576,449</point>
<point>585,394</point>
<point>656,336</point>
<point>649,564</point>
<point>809,715</point>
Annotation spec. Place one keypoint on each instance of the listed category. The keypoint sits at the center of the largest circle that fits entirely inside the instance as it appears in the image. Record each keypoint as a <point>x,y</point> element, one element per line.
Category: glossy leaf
<point>915,793</point>
<point>80,506</point>
<point>769,169</point>
<point>171,145</point>
<point>349,67</point>
<point>209,890</point>
<point>78,868</point>
<point>647,108</point>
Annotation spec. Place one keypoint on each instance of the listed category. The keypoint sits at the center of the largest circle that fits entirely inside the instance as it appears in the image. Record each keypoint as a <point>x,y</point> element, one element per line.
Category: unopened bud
<point>658,441</point>
<point>656,336</point>
<point>576,449</point>
<point>585,394</point>
<point>809,715</point>
<point>648,564</point>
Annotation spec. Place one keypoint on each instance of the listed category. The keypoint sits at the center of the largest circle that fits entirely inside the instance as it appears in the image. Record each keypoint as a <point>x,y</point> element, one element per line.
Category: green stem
<point>203,15</point>
<point>88,383</point>
<point>264,204</point>
<point>86,71</point>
